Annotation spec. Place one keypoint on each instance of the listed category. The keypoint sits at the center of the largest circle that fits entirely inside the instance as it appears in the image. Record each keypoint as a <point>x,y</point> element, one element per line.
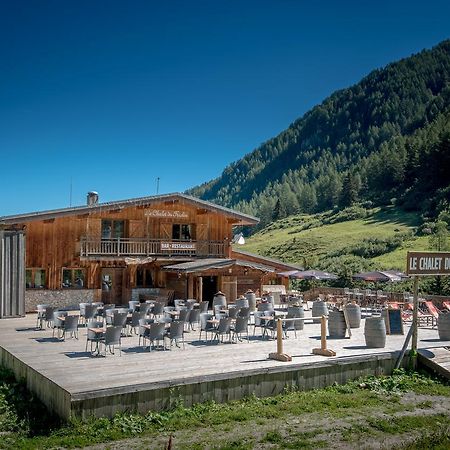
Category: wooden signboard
<point>428,263</point>
<point>393,320</point>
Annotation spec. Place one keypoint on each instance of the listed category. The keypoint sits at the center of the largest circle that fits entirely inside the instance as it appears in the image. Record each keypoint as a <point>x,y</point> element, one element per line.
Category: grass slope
<point>310,238</point>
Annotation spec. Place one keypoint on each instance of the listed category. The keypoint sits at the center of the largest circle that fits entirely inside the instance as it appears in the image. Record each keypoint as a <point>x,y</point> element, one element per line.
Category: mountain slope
<point>354,146</point>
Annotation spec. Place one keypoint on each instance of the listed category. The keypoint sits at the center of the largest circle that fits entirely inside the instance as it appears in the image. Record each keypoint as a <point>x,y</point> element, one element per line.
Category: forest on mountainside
<point>385,140</point>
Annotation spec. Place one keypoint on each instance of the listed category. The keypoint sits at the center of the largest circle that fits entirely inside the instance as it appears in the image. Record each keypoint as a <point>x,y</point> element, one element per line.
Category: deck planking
<point>80,376</point>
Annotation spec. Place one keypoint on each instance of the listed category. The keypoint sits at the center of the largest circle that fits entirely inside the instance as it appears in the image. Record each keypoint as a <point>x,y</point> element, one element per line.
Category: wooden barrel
<point>219,299</point>
<point>353,315</point>
<point>444,326</point>
<point>297,312</point>
<point>375,332</point>
<point>319,309</point>
<point>269,298</point>
<point>251,297</point>
<point>242,303</point>
<point>294,300</point>
<point>336,324</point>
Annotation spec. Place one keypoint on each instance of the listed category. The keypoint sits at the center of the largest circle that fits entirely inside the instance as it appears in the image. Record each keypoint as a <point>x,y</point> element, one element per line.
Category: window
<point>144,278</point>
<point>73,278</point>
<point>182,232</point>
<point>35,278</point>
<point>113,229</point>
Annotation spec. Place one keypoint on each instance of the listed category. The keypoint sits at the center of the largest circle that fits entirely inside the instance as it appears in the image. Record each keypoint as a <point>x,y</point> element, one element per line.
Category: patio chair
<point>233,312</point>
<point>119,319</point>
<point>175,333</point>
<point>190,303</point>
<point>240,327</point>
<point>133,322</point>
<point>143,331</point>
<point>146,308</point>
<point>205,325</point>
<point>156,334</point>
<point>289,325</point>
<point>270,325</point>
<point>92,336</point>
<point>262,307</point>
<point>40,315</point>
<point>158,309</point>
<point>194,318</point>
<point>183,316</point>
<point>111,339</point>
<point>204,306</point>
<point>244,312</point>
<point>178,302</point>
<point>242,303</point>
<point>260,323</point>
<point>223,329</point>
<point>217,311</point>
<point>433,311</point>
<point>58,322</point>
<point>70,326</point>
<point>132,305</point>
<point>90,312</point>
<point>48,316</point>
<point>107,313</point>
<point>83,308</point>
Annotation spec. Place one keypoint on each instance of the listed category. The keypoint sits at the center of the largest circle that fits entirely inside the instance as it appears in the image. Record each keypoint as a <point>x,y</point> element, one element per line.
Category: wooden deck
<point>72,382</point>
<point>437,359</point>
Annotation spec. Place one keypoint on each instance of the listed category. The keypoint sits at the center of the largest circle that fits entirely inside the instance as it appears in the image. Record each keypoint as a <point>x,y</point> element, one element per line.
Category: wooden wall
<point>55,243</point>
<point>12,274</point>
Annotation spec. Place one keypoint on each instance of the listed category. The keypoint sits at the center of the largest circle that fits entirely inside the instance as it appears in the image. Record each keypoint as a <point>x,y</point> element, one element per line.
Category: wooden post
<point>415,322</point>
<point>190,282</point>
<point>279,355</point>
<point>323,350</point>
<point>200,289</point>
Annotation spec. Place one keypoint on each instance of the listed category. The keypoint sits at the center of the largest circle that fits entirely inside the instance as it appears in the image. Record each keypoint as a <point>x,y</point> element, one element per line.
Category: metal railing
<point>149,247</point>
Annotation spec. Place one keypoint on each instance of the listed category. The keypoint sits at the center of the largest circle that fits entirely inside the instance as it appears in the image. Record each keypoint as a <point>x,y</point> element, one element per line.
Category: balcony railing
<point>150,247</point>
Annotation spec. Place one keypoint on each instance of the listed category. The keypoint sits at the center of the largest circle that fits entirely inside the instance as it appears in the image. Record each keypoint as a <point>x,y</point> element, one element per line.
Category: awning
<point>206,264</point>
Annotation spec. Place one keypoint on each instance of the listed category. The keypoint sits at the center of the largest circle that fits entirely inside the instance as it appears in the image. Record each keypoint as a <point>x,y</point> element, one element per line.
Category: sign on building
<point>178,246</point>
<point>162,213</point>
<point>428,263</point>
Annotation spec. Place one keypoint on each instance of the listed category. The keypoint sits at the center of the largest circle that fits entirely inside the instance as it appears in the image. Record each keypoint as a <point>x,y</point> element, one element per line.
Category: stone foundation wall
<point>59,298</point>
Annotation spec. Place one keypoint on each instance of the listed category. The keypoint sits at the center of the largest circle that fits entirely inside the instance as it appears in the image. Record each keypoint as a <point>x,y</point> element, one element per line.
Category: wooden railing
<point>149,247</point>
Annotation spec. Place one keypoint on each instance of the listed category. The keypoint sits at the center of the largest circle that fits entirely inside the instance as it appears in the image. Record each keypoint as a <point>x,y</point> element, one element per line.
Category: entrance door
<point>209,289</point>
<point>112,285</point>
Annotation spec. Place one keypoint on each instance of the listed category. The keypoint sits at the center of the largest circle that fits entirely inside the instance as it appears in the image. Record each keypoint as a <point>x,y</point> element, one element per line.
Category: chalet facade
<point>117,251</point>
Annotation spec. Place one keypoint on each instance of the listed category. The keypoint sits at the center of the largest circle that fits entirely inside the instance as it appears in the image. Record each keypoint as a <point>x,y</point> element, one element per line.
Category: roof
<point>210,263</point>
<point>288,266</point>
<point>244,219</point>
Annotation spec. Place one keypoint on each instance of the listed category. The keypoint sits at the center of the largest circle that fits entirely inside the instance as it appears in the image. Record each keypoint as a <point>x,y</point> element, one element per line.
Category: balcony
<point>135,247</point>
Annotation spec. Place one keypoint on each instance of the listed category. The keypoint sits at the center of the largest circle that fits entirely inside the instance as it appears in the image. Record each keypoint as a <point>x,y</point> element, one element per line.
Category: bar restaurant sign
<point>178,245</point>
<point>428,263</point>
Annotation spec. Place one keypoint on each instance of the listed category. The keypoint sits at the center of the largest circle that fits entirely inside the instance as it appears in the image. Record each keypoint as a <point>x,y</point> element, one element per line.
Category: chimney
<point>92,198</point>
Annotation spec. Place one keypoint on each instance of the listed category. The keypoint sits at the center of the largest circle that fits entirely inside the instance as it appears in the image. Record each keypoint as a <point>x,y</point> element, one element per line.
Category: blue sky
<point>112,95</point>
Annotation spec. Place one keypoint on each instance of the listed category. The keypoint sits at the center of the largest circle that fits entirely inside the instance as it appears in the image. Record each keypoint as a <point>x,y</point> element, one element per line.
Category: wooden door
<point>229,288</point>
<point>112,285</point>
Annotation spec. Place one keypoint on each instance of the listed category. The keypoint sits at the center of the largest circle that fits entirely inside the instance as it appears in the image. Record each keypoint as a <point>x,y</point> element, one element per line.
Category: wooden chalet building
<point>117,251</point>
